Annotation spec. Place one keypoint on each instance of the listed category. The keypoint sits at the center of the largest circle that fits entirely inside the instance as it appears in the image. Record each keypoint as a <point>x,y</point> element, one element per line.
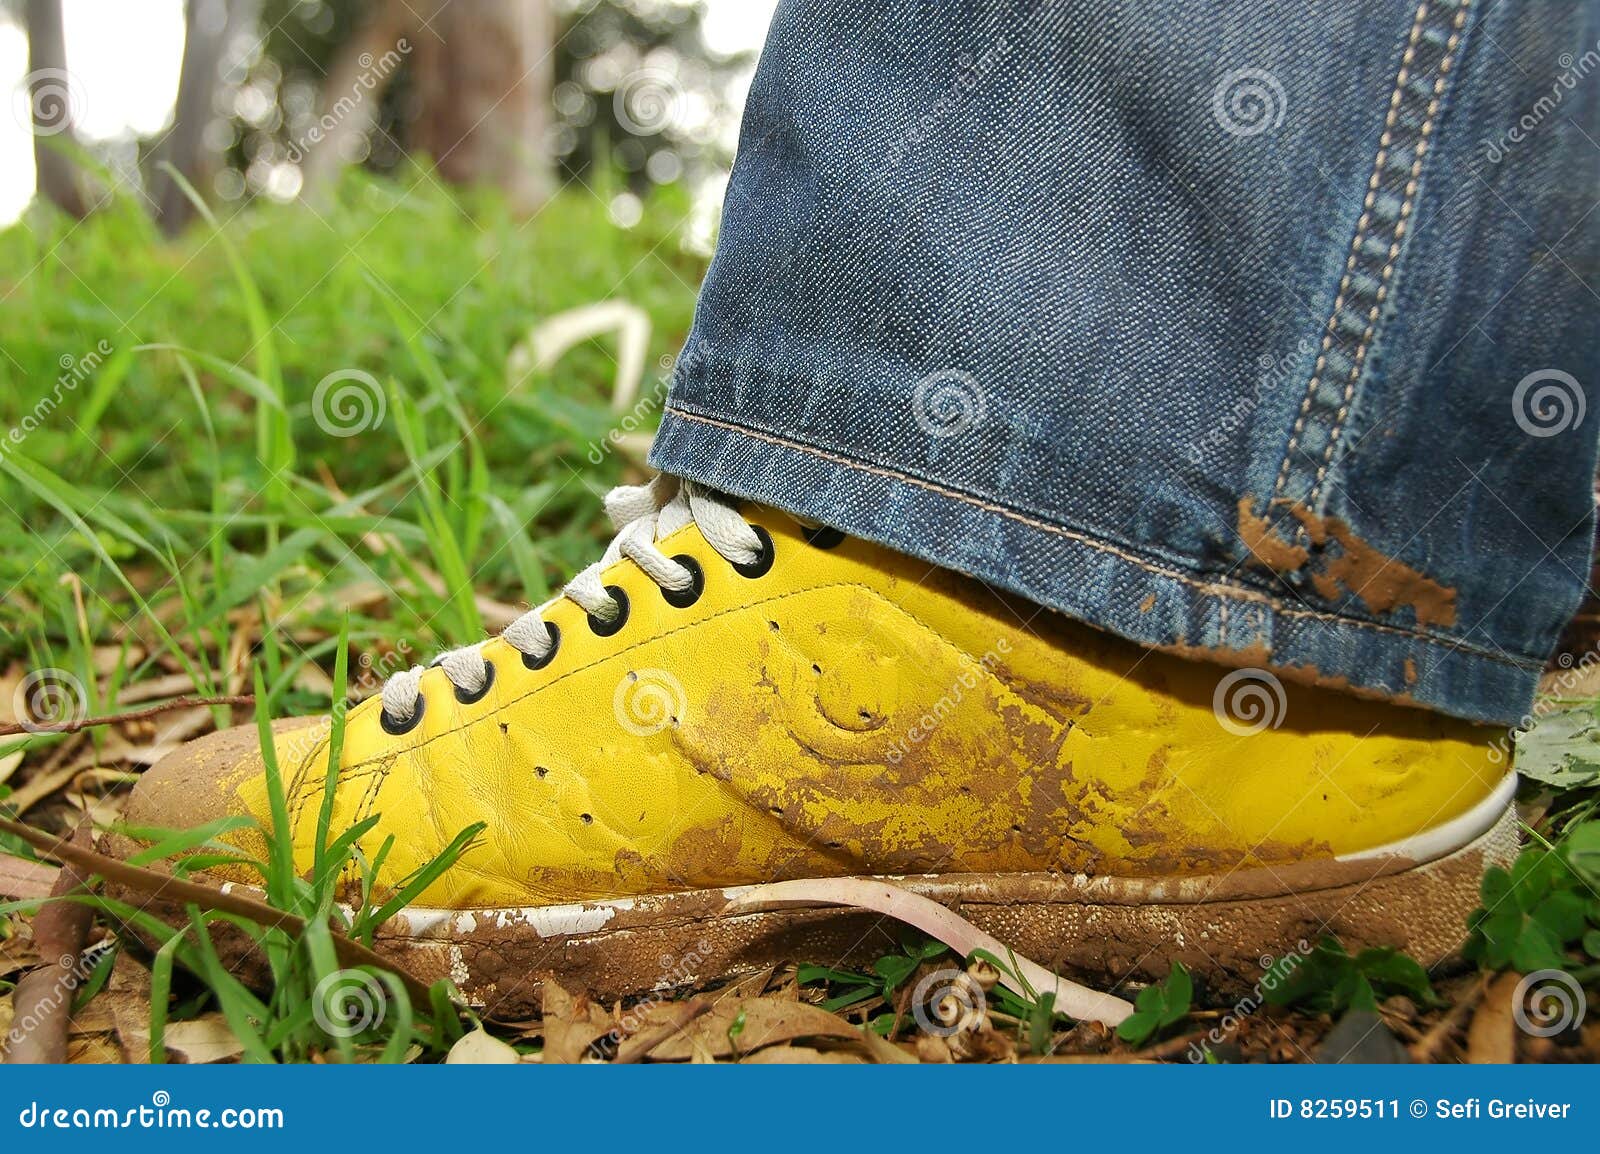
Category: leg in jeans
<point>1264,338</point>
<point>1050,348</point>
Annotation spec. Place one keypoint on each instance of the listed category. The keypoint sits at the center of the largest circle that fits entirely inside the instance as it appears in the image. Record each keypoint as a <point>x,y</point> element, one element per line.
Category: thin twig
<point>43,998</point>
<point>11,729</point>
<point>176,891</point>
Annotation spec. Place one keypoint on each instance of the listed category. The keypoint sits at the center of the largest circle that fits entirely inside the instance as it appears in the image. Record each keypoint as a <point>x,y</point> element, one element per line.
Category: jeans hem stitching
<point>1204,585</point>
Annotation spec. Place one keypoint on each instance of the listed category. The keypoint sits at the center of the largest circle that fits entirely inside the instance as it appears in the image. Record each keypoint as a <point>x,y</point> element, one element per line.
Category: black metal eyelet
<point>466,698</point>
<point>532,662</point>
<point>396,728</point>
<point>600,626</point>
<point>683,598</point>
<point>763,561</point>
<point>822,537</point>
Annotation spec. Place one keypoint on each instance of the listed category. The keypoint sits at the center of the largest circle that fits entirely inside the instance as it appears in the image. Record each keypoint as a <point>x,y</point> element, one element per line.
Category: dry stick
<point>43,998</point>
<point>351,953</point>
<point>10,729</point>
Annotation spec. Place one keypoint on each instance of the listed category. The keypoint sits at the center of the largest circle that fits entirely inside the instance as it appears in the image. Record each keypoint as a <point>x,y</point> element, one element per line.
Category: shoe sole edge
<point>1226,928</point>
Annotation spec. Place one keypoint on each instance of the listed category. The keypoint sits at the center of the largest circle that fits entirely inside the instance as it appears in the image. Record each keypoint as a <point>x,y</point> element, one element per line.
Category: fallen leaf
<point>1561,750</point>
<point>25,879</point>
<point>802,1056</point>
<point>572,1023</point>
<point>481,1048</point>
<point>767,1022</point>
<point>201,1041</point>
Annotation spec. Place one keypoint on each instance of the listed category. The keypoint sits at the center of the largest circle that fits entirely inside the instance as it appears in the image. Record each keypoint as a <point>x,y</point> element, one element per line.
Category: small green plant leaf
<point>1158,1006</point>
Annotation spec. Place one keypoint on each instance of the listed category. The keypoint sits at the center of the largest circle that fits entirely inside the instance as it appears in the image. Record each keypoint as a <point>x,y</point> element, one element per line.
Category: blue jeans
<point>1261,332</point>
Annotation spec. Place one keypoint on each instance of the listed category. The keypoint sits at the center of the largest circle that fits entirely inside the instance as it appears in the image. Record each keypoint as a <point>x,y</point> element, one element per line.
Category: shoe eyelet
<point>397,728</point>
<point>531,662</point>
<point>599,626</point>
<point>466,698</point>
<point>764,559</point>
<point>822,537</point>
<point>683,598</point>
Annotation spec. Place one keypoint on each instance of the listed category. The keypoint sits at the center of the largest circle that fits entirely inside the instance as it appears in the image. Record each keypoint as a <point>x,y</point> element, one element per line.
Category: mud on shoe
<point>730,698</point>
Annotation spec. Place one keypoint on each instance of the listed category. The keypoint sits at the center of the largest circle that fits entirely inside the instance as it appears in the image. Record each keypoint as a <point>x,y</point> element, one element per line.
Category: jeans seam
<point>1363,232</point>
<point>1201,583</point>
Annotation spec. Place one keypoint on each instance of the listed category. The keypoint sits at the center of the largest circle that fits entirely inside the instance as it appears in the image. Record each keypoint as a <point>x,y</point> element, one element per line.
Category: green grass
<point>322,1001</point>
<point>170,498</point>
<point>171,483</point>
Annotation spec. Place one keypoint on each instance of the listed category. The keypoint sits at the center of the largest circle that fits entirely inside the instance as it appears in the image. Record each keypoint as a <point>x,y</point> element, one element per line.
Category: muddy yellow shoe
<point>729,698</point>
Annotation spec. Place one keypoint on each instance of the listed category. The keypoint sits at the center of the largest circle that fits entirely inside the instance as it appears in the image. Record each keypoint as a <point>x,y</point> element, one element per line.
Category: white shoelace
<point>642,515</point>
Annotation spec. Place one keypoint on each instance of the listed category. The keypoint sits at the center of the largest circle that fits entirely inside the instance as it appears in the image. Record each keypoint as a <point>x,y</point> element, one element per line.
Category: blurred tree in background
<point>276,96</point>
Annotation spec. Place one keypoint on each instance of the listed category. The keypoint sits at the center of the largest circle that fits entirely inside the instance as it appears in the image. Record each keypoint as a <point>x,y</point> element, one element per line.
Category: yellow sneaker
<point>729,698</point>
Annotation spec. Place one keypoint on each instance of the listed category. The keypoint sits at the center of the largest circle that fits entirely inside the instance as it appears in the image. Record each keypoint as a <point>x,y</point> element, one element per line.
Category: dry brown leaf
<point>1492,1037</point>
<point>572,1023</point>
<point>650,1025</point>
<point>802,1056</point>
<point>767,1022</point>
<point>98,1050</point>
<point>9,763</point>
<point>41,786</point>
<point>22,880</point>
<point>199,1042</point>
<point>168,685</point>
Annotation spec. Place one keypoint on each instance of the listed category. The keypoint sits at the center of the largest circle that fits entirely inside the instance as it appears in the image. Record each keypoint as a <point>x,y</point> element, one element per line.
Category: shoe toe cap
<point>200,781</point>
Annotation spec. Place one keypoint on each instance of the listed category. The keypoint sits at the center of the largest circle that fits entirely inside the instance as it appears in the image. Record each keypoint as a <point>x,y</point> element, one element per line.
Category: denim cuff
<point>1152,601</point>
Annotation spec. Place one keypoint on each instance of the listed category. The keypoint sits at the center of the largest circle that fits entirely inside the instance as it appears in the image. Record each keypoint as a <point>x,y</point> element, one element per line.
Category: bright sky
<point>124,58</point>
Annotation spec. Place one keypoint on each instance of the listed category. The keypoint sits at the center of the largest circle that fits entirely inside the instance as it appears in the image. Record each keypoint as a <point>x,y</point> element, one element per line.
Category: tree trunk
<point>50,101</point>
<point>210,26</point>
<point>484,71</point>
<point>353,91</point>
